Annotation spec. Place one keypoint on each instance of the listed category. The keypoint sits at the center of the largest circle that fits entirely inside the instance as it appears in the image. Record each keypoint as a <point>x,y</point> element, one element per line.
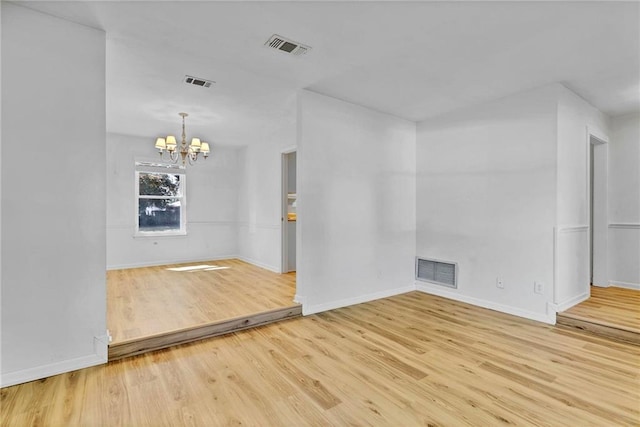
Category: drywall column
<point>356,203</point>
<point>577,120</point>
<point>0,195</point>
<point>53,196</point>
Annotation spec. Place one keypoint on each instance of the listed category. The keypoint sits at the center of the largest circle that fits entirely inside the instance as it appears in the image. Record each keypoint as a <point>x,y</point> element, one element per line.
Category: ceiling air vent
<point>438,272</point>
<point>286,45</point>
<point>198,81</point>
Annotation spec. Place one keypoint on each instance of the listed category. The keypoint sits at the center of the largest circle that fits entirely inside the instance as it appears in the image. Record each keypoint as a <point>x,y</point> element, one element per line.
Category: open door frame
<point>284,257</point>
<point>597,183</point>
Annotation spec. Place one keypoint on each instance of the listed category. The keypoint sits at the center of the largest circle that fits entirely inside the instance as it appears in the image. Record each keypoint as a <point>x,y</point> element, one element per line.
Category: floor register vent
<point>439,272</point>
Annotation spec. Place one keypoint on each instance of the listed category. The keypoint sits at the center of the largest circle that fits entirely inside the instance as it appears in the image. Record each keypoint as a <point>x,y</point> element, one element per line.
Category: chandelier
<point>186,153</point>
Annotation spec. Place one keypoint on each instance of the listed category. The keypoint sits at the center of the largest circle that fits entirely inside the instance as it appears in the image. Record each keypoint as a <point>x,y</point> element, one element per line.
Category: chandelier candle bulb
<point>171,143</point>
<point>161,144</point>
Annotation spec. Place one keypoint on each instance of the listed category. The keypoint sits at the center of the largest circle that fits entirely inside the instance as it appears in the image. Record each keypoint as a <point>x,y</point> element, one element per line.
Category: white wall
<point>356,203</point>
<point>53,204</point>
<point>260,198</point>
<point>0,196</point>
<point>624,201</point>
<point>576,120</point>
<point>212,200</point>
<point>486,199</point>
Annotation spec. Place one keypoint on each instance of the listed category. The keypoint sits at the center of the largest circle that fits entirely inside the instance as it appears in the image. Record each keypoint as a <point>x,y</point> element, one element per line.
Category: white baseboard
<point>549,318</point>
<point>169,261</point>
<point>565,305</point>
<point>101,346</point>
<point>312,309</point>
<point>39,372</point>
<point>299,299</point>
<point>628,285</point>
<point>192,260</point>
<point>258,264</point>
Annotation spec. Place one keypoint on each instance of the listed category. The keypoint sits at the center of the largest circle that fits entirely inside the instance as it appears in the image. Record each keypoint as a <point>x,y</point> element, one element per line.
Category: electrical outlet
<point>499,283</point>
<point>538,287</point>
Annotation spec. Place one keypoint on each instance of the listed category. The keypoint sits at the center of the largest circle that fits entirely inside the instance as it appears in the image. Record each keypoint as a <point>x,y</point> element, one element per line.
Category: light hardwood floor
<point>151,301</point>
<point>408,360</point>
<point>612,311</point>
<point>615,306</point>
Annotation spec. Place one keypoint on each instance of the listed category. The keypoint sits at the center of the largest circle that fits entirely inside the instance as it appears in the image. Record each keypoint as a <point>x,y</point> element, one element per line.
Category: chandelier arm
<point>173,157</point>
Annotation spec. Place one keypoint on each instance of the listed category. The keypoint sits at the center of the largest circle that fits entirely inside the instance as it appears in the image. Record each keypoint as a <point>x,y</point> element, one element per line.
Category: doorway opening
<point>160,300</point>
<point>609,312</point>
<point>597,198</point>
<point>289,211</point>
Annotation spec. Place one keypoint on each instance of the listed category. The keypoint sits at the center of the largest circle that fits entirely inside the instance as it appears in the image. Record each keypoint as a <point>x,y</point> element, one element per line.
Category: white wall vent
<point>286,45</point>
<point>198,81</point>
<point>439,272</point>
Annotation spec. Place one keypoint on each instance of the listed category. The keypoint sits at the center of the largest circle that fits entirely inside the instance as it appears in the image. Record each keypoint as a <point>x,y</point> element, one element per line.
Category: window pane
<point>159,214</point>
<point>159,184</point>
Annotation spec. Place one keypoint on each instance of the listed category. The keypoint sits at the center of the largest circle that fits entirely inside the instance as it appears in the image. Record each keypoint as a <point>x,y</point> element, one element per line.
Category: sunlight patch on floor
<point>194,268</point>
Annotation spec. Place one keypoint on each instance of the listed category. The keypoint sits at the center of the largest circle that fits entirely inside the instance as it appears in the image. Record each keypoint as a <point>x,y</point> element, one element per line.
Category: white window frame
<point>183,204</point>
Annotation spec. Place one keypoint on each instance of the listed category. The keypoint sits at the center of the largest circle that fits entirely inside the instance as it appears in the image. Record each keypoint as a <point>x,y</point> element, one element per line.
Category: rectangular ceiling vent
<point>286,45</point>
<point>198,81</point>
<point>438,272</point>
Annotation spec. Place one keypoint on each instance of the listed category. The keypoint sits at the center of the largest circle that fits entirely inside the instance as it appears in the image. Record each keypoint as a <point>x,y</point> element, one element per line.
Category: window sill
<point>155,235</point>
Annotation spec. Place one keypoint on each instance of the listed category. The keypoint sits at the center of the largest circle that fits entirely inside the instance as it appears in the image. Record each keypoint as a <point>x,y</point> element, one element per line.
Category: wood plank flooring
<point>145,344</point>
<point>612,312</point>
<point>409,360</point>
<point>152,301</point>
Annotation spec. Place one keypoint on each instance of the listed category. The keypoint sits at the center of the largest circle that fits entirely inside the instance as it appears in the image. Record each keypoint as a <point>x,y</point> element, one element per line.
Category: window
<point>160,203</point>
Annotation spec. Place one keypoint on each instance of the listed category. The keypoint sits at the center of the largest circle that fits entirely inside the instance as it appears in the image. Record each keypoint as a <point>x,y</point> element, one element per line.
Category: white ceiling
<point>411,59</point>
